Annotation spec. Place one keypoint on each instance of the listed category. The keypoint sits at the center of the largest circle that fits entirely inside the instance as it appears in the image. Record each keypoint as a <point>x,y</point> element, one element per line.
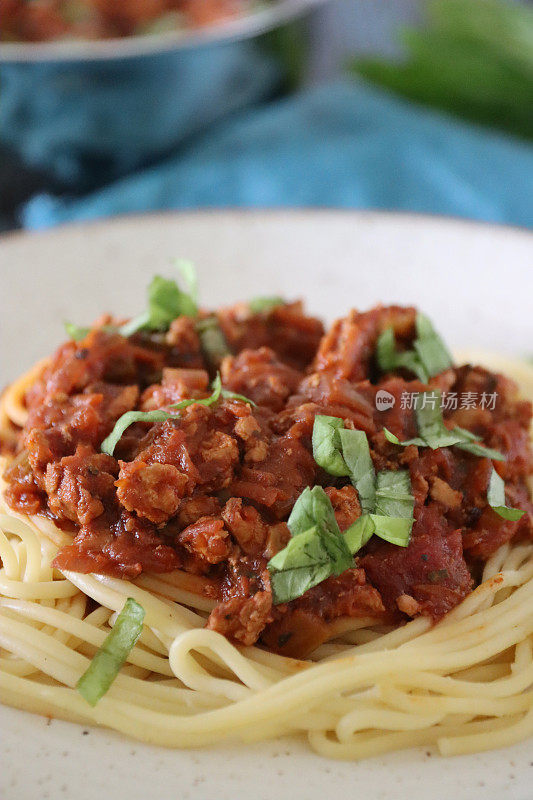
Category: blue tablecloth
<point>343,145</point>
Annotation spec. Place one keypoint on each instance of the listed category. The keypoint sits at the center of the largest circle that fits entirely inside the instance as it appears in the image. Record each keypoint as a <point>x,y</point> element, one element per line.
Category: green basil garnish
<point>341,452</point>
<point>212,340</point>
<point>356,453</point>
<point>434,433</point>
<point>166,302</point>
<point>393,494</point>
<point>110,657</point>
<point>430,348</point>
<point>313,507</point>
<point>316,550</point>
<point>327,445</point>
<point>429,356</point>
<point>74,332</point>
<point>359,532</point>
<point>264,305</point>
<point>390,359</point>
<point>160,415</point>
<point>496,499</point>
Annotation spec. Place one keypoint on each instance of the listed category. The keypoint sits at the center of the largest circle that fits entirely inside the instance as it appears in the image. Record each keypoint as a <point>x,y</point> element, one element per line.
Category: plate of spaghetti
<point>228,521</point>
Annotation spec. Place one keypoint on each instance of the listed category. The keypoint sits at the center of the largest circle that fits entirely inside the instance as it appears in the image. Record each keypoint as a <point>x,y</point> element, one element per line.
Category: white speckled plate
<point>476,282</point>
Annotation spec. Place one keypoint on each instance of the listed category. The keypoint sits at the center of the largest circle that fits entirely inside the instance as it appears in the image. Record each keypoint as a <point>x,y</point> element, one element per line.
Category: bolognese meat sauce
<point>210,490</point>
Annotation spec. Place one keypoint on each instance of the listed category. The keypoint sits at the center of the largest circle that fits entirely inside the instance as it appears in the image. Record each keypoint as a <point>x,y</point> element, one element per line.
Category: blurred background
<point>125,106</point>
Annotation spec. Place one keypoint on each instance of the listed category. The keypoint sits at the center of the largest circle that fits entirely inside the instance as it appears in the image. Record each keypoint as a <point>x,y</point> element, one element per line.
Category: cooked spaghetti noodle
<point>464,684</point>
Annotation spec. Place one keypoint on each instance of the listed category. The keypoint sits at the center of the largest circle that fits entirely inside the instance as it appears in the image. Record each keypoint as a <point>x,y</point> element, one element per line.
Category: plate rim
<point>233,213</point>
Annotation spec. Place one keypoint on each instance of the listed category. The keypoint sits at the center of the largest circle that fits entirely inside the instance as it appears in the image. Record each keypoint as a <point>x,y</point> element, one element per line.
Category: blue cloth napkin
<point>344,145</point>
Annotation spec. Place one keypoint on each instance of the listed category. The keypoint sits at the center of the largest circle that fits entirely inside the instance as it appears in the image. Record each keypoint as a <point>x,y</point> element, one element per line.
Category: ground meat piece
<point>242,618</point>
<point>176,385</point>
<point>277,538</point>
<point>253,437</point>
<point>246,526</point>
<point>346,595</point>
<point>393,415</point>
<point>101,356</point>
<point>54,430</point>
<point>22,491</point>
<point>122,547</point>
<point>246,605</point>
<point>184,342</point>
<point>208,539</point>
<point>513,440</point>
<point>431,569</point>
<point>348,347</point>
<point>198,444</point>
<point>429,466</point>
<point>490,531</point>
<point>219,455</point>
<point>300,626</point>
<point>153,491</point>
<point>79,485</point>
<point>345,504</point>
<point>192,508</point>
<point>261,376</point>
<point>408,605</point>
<point>279,479</point>
<point>295,634</point>
<point>443,493</point>
<point>293,336</point>
<point>323,393</point>
<point>494,393</point>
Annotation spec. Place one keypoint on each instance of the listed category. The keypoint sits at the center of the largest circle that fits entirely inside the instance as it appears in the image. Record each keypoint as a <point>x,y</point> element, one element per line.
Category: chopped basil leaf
<point>359,533</point>
<point>160,415</point>
<point>106,664</point>
<point>327,446</point>
<point>190,278</point>
<point>166,302</point>
<point>127,419</point>
<point>304,563</point>
<point>393,494</point>
<point>480,450</point>
<point>212,341</point>
<point>316,551</point>
<point>393,439</point>
<point>430,348</point>
<point>342,452</point>
<point>428,357</point>
<point>264,305</point>
<point>74,332</point>
<point>356,454</point>
<point>434,433</point>
<point>390,359</point>
<point>431,425</point>
<point>227,395</point>
<point>313,508</point>
<point>496,499</point>
<point>396,530</point>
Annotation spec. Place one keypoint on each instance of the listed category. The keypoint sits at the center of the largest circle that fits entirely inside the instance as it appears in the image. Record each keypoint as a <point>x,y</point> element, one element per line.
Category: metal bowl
<point>257,22</point>
<point>76,115</point>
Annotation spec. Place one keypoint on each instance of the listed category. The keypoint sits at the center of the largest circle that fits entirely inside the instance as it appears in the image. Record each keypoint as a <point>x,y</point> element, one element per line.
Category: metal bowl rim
<point>250,25</point>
